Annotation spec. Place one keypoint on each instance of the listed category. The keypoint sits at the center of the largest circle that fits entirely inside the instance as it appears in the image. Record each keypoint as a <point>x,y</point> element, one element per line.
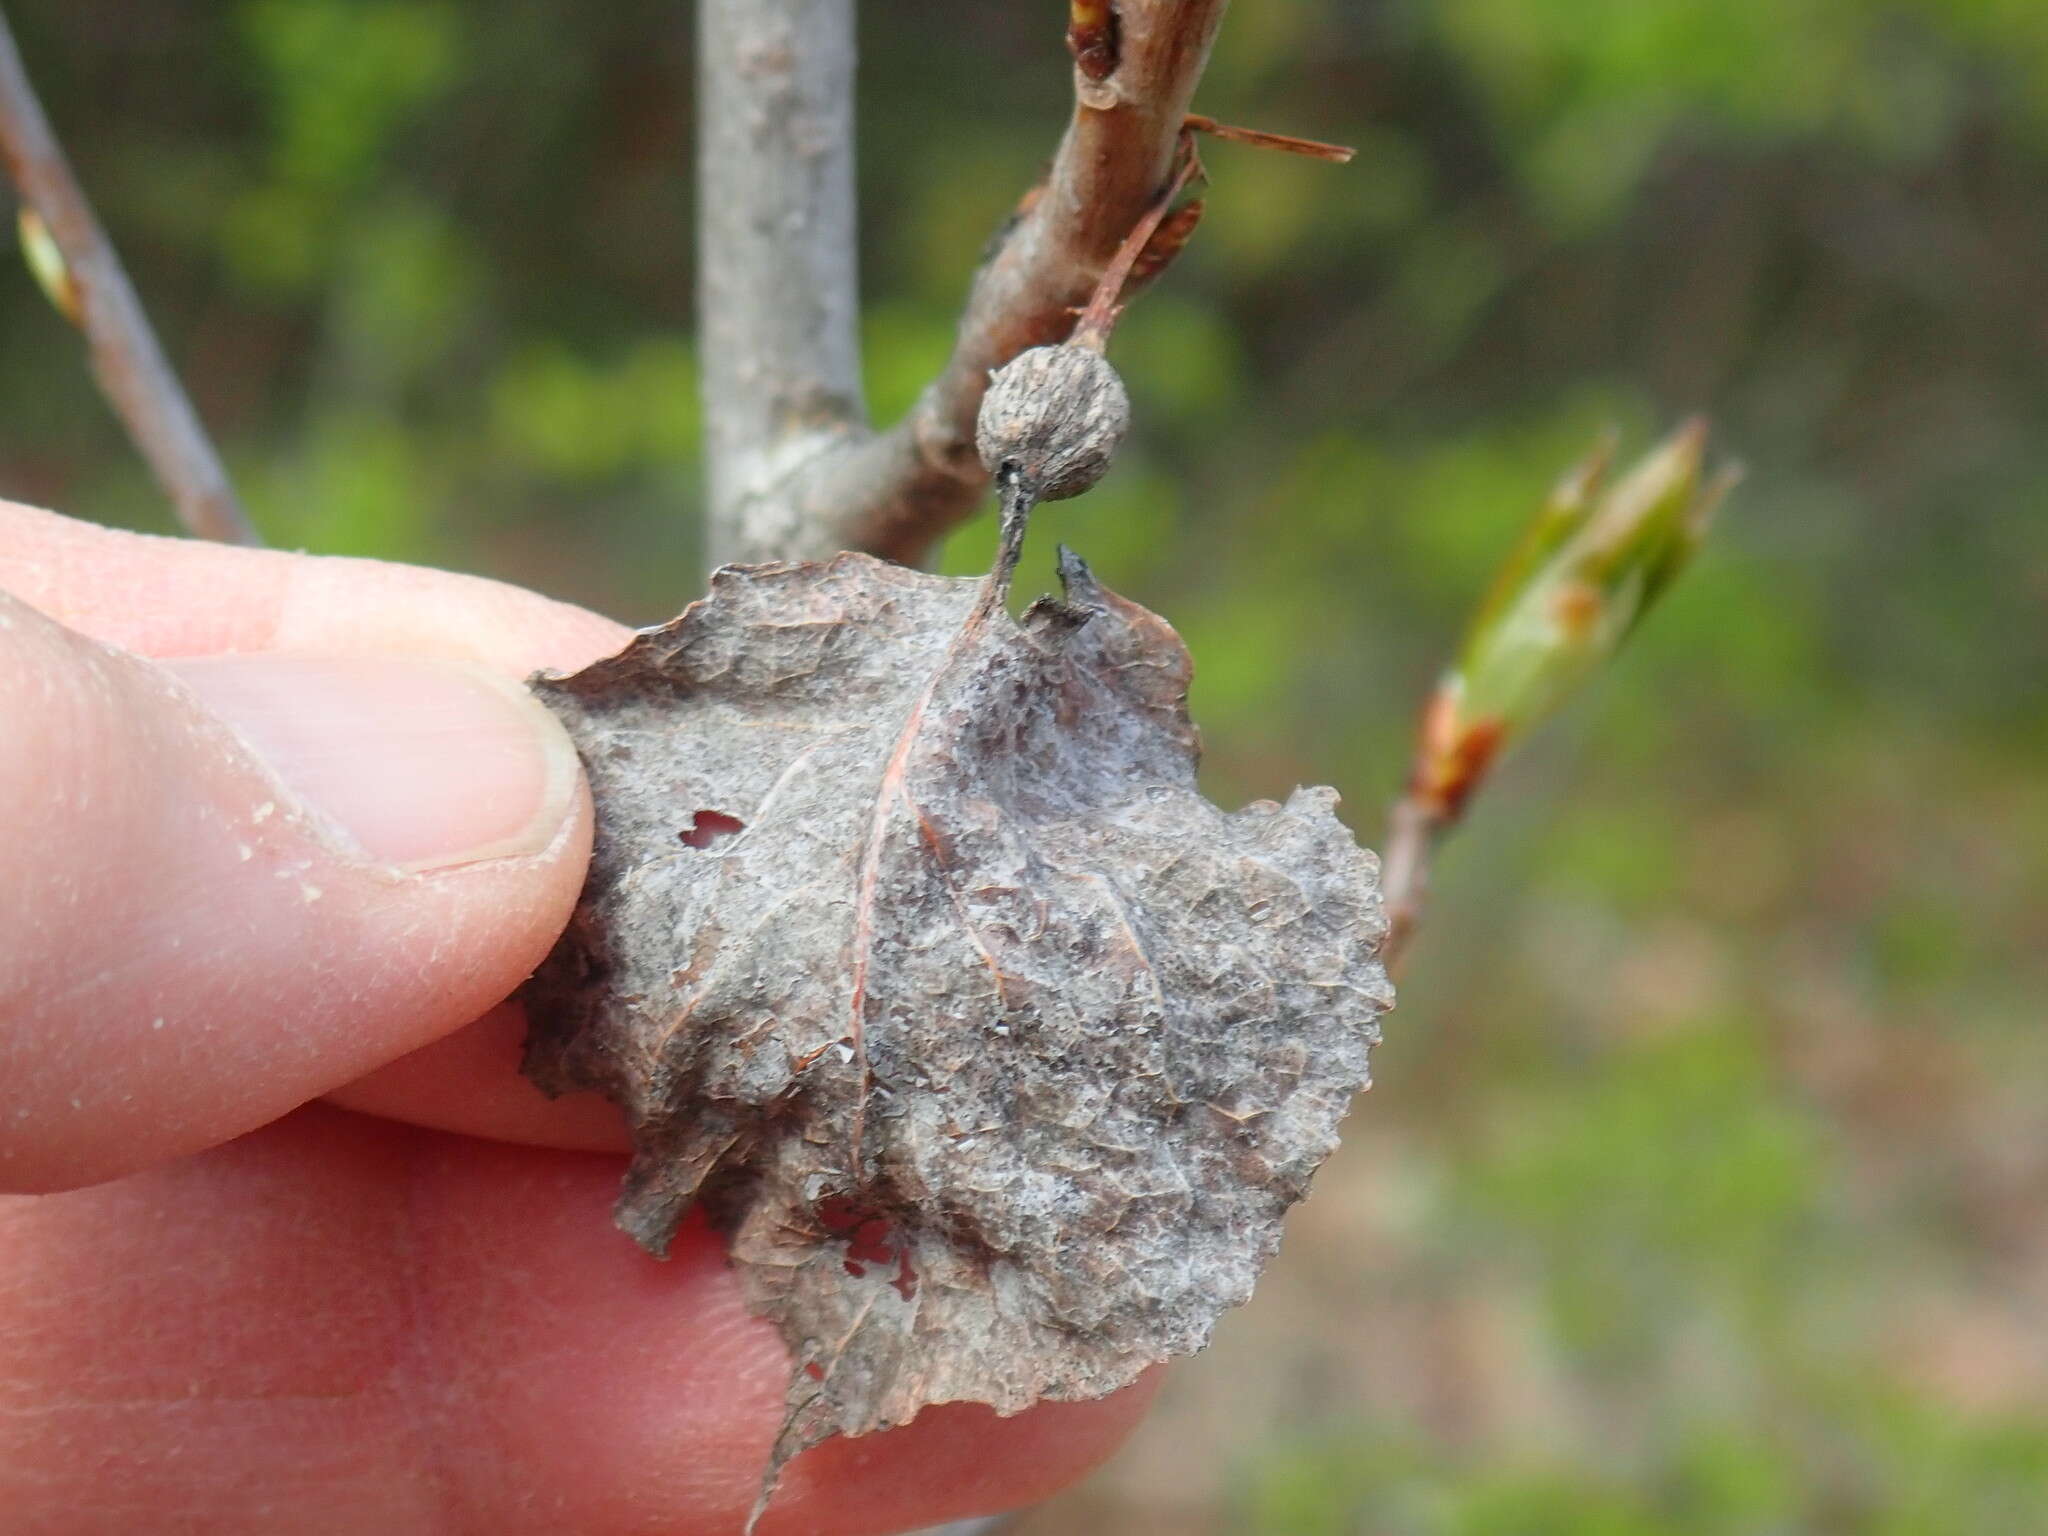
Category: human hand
<point>303,854</point>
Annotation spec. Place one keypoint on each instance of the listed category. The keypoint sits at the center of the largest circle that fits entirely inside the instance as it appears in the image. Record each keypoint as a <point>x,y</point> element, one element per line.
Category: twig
<point>1413,828</point>
<point>777,286</point>
<point>1453,760</point>
<point>895,493</point>
<point>126,359</point>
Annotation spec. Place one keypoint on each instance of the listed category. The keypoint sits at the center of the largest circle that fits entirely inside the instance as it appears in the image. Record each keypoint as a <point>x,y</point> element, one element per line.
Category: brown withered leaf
<point>912,952</point>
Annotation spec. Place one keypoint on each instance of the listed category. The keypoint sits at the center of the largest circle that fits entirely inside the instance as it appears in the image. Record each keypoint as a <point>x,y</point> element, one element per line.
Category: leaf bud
<point>1594,561</point>
<point>46,262</point>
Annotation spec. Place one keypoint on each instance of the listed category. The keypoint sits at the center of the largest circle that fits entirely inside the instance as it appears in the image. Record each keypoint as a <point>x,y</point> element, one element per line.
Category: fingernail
<point>419,764</point>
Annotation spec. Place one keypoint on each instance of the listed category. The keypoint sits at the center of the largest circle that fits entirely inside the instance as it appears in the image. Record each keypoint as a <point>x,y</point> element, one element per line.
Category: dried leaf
<point>912,952</point>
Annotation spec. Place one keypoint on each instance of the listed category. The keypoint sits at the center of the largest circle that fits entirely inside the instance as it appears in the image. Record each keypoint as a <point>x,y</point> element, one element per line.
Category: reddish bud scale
<point>1091,37</point>
<point>1167,242</point>
<point>1453,757</point>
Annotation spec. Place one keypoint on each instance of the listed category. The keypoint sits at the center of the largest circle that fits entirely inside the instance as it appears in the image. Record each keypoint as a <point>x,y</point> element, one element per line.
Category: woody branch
<point>795,471</point>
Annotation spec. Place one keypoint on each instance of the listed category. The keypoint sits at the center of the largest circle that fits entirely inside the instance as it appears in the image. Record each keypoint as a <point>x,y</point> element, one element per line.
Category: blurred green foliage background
<point>1706,1187</point>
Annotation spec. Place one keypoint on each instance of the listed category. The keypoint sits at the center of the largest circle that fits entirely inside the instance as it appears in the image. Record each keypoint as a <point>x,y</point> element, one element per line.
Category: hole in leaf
<point>871,1240</point>
<point>838,1214</point>
<point>708,827</point>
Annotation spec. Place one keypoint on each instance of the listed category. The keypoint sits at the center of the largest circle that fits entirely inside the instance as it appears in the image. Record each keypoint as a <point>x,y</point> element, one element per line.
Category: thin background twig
<point>126,359</point>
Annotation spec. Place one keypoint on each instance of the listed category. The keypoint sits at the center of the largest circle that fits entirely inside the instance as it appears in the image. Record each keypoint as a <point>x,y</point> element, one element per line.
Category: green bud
<point>1592,563</point>
<point>46,263</point>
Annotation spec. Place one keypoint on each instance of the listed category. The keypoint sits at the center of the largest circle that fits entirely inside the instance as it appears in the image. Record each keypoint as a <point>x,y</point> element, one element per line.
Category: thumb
<point>229,884</point>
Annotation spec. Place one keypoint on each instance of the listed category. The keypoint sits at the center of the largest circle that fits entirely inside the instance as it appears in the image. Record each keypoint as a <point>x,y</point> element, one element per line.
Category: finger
<point>236,882</point>
<point>181,597</point>
<point>342,1325</point>
<point>469,1082</point>
<point>185,598</point>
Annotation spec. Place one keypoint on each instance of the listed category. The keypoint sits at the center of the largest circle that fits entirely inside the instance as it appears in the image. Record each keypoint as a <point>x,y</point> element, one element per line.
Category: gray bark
<point>778,297</point>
